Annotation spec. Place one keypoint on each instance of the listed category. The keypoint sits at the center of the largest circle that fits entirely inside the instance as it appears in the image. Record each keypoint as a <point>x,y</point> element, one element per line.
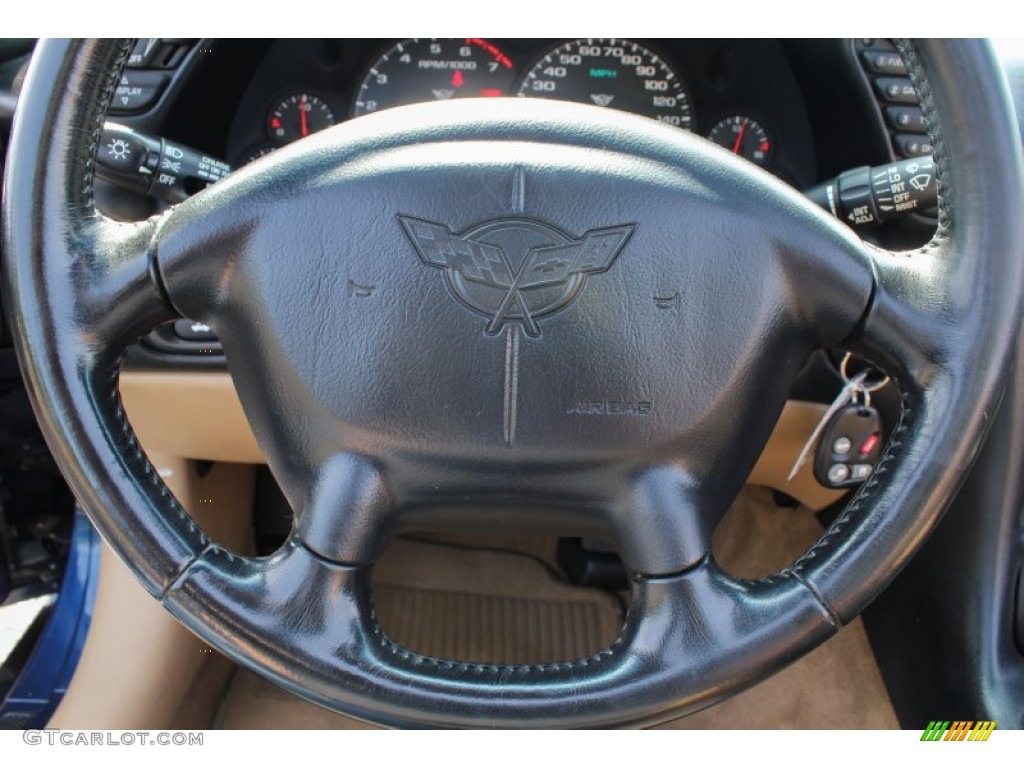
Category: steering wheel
<point>521,314</point>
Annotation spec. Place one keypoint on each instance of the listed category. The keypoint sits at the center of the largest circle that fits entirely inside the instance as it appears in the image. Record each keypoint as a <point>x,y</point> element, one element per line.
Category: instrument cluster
<point>739,94</point>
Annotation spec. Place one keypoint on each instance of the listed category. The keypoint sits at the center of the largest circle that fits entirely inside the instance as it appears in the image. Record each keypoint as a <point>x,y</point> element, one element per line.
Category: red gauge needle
<point>305,126</point>
<point>739,139</point>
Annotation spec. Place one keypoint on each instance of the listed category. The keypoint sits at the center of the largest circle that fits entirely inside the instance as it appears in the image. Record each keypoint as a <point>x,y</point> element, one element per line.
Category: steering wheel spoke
<point>104,284</point>
<point>667,525</point>
<point>121,296</point>
<point>349,515</point>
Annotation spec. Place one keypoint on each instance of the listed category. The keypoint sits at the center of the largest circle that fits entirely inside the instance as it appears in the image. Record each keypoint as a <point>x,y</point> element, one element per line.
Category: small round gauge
<point>298,116</point>
<point>745,137</point>
<point>614,73</point>
<point>435,69</point>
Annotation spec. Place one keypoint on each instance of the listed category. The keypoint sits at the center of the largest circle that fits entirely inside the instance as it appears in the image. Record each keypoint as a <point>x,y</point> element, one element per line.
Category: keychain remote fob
<point>849,447</point>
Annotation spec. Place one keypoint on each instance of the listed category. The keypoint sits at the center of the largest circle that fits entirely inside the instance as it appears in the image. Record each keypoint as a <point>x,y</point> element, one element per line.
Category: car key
<point>849,446</point>
<point>848,438</point>
<point>846,395</point>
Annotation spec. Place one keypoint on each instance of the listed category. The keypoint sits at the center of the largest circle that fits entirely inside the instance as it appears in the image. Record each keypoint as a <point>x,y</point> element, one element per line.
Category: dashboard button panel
<point>896,97</point>
<point>138,90</point>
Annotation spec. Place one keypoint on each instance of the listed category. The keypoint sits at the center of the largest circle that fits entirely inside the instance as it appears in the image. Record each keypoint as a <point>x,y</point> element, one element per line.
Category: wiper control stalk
<point>866,197</point>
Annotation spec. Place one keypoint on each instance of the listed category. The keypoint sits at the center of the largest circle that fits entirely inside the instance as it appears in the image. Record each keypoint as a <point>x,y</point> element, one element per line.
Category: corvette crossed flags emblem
<point>515,270</point>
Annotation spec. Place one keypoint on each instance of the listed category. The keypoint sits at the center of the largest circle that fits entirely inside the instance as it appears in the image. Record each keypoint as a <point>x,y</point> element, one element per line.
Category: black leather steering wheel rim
<point>80,289</point>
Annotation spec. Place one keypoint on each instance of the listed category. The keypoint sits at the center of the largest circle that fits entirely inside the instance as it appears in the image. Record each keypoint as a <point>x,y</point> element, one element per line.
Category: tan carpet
<point>493,629</point>
<point>487,605</point>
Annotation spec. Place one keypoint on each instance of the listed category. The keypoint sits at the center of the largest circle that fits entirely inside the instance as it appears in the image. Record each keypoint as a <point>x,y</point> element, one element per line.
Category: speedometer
<point>614,73</point>
<point>435,69</point>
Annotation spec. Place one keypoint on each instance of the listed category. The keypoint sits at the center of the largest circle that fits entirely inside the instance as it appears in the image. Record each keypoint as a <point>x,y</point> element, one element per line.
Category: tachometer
<point>434,69</point>
<point>614,73</point>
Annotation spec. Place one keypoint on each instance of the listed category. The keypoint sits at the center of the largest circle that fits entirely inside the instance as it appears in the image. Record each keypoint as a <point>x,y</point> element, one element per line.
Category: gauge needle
<point>302,117</point>
<point>739,139</point>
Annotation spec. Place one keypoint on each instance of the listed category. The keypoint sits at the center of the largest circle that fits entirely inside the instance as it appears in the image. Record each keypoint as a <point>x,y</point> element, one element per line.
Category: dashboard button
<point>906,119</point>
<point>191,330</point>
<point>884,62</point>
<point>877,43</point>
<point>144,48</point>
<point>138,90</point>
<point>913,145</point>
<point>158,53</point>
<point>896,89</point>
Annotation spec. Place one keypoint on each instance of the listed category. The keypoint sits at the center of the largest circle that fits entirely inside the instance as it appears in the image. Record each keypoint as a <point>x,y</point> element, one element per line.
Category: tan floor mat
<point>494,629</point>
<point>490,605</point>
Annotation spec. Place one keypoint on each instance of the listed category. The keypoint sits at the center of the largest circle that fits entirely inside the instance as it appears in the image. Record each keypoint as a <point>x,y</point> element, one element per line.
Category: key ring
<point>867,387</point>
<point>865,397</point>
